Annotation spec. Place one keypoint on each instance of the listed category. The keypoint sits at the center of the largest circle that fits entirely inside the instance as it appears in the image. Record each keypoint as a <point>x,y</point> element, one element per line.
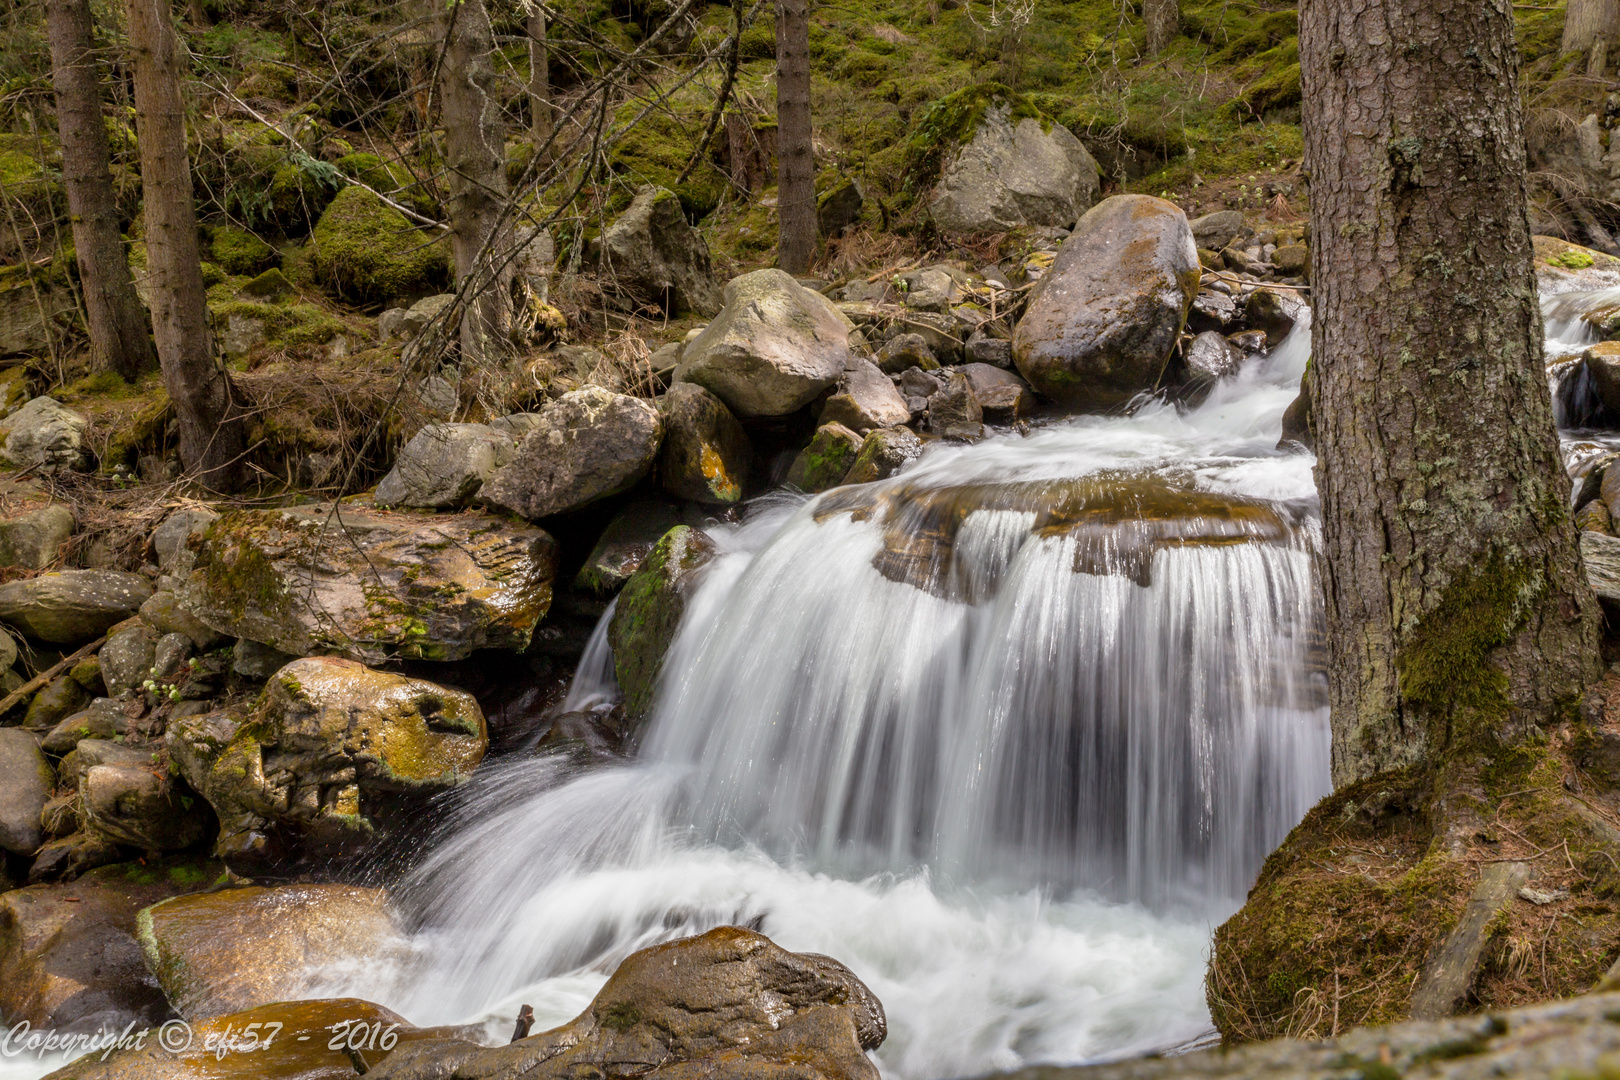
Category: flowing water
<point>1007,734</point>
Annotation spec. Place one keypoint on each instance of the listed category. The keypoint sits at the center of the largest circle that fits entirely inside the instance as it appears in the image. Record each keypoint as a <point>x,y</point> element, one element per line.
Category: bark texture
<point>796,185</point>
<point>119,339</point>
<point>541,120</point>
<point>1162,19</point>
<point>1586,22</point>
<point>1457,611</point>
<point>211,439</point>
<point>476,154</point>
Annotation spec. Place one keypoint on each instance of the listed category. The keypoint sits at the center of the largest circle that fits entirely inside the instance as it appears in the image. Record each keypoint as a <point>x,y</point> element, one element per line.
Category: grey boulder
<point>865,399</point>
<point>588,445</point>
<point>128,797</point>
<point>1011,176</point>
<point>47,435</point>
<point>34,540</point>
<point>652,255</point>
<point>72,606</point>
<point>774,347</point>
<point>706,452</point>
<point>127,658</point>
<point>882,454</point>
<point>443,466</point>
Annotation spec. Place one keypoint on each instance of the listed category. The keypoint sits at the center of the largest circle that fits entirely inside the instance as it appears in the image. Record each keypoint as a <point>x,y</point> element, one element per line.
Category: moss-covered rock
<point>649,613</point>
<point>237,251</point>
<point>364,251</point>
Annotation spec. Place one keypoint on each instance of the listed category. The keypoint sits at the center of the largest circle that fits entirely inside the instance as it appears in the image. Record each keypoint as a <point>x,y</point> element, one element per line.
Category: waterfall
<point>1006,733</point>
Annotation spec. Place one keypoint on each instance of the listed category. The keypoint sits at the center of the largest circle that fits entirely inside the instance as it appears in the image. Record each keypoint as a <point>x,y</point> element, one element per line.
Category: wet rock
<point>589,444</point>
<point>1014,174</point>
<point>1212,357</point>
<point>333,753</point>
<point>865,399</point>
<point>252,660</point>
<point>882,454</point>
<point>102,720</point>
<point>1275,311</point>
<point>954,411</point>
<point>1297,426</point>
<point>906,351</point>
<point>1215,231</point>
<point>774,347</point>
<point>126,659</point>
<point>584,737</point>
<point>26,783</point>
<point>652,255</point>
<point>127,796</point>
<point>728,1003</point>
<point>443,466</point>
<point>1213,310</point>
<point>1601,557</point>
<point>223,952</point>
<point>824,462</point>
<point>1002,396</point>
<point>649,613</point>
<point>46,435</point>
<point>34,540</point>
<point>706,452</point>
<point>60,698</point>
<point>839,207</point>
<point>164,613</point>
<point>1595,517</point>
<point>72,607</point>
<point>624,544</point>
<point>1602,364</point>
<point>68,955</point>
<point>371,586</point>
<point>1101,324</point>
<point>1248,342</point>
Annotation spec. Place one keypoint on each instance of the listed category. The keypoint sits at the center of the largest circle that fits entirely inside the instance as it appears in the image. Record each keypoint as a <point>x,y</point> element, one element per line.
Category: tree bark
<point>476,155</point>
<point>1163,20</point>
<point>541,120</point>
<point>1588,21</point>
<point>211,438</point>
<point>1458,615</point>
<point>796,165</point>
<point>119,338</point>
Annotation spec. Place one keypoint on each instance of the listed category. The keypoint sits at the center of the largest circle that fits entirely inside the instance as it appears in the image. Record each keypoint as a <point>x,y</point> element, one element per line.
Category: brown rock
<point>865,399</point>
<point>706,452</point>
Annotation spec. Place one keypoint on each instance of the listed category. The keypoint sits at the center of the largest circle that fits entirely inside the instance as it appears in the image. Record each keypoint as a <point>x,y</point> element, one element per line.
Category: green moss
<point>239,252</point>
<point>391,179</point>
<point>1572,259</point>
<point>364,251</point>
<point>649,612</point>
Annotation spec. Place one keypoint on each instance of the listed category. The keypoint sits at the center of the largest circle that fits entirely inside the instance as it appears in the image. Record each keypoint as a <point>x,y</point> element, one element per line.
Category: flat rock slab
<point>73,606</point>
<point>372,585</point>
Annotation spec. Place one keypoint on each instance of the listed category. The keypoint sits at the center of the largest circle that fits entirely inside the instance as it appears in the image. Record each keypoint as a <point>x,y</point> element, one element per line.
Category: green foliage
<point>364,251</point>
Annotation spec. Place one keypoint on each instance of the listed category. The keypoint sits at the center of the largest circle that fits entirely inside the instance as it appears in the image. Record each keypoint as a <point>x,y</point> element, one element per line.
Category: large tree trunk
<point>796,165</point>
<point>1163,19</point>
<point>119,338</point>
<point>476,155</point>
<point>541,120</point>
<point>211,441</point>
<point>1588,22</point>
<point>1457,611</point>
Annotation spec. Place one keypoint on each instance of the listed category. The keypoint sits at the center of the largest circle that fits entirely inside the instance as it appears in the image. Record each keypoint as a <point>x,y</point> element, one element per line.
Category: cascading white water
<point>1006,734</point>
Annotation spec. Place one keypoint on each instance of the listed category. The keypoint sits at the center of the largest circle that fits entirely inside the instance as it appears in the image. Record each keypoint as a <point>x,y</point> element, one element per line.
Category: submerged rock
<point>1015,173</point>
<point>587,445</point>
<point>771,350</point>
<point>706,452</point>
<point>649,613</point>
<point>729,1003</point>
<point>333,753</point>
<point>1101,323</point>
<point>651,254</point>
<point>371,586</point>
<point>223,952</point>
<point>72,606</point>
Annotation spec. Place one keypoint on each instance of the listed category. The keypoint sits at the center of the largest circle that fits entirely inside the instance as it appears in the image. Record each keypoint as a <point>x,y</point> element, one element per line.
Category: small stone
<point>865,399</point>
<point>954,412</point>
<point>169,659</point>
<point>26,783</point>
<point>127,658</point>
<point>253,660</point>
<point>989,350</point>
<point>164,613</point>
<point>823,463</point>
<point>104,719</point>
<point>59,698</point>
<point>905,351</point>
<point>882,454</point>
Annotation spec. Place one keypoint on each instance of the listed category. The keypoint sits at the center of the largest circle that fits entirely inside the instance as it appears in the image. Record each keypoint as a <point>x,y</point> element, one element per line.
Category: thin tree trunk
<point>1587,21</point>
<point>1458,615</point>
<point>1163,20</point>
<point>541,121</point>
<point>211,440</point>
<point>476,155</point>
<point>796,165</point>
<point>119,337</point>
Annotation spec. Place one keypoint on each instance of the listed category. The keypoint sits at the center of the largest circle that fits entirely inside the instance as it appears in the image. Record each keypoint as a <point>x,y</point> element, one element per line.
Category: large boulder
<point>164,613</point>
<point>68,954</point>
<point>26,783</point>
<point>333,753</point>
<point>222,952</point>
<point>865,399</point>
<point>1016,171</point>
<point>588,445</point>
<point>729,1003</point>
<point>34,540</point>
<point>371,586</point>
<point>127,795</point>
<point>774,347</point>
<point>27,318</point>
<point>1100,325</point>
<point>706,452</point>
<point>72,606</point>
<point>652,255</point>
<point>649,613</point>
<point>443,466</point>
<point>46,435</point>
